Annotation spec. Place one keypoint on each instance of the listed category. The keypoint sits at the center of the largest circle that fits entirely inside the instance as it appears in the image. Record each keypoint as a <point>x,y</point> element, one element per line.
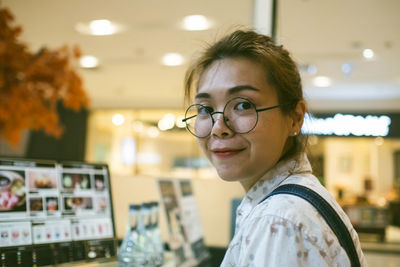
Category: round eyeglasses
<point>240,115</point>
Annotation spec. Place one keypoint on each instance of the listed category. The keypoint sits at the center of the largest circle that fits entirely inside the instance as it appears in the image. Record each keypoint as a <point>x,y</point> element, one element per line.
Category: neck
<point>247,184</point>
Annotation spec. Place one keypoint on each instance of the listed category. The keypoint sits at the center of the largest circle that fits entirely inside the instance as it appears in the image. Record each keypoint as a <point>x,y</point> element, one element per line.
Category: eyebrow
<point>231,91</point>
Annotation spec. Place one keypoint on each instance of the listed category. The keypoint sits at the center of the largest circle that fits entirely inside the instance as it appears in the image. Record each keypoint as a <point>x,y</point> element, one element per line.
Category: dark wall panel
<point>71,145</point>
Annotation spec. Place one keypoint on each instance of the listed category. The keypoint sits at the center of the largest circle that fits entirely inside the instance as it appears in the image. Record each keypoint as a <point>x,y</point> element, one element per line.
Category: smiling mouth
<point>227,152</point>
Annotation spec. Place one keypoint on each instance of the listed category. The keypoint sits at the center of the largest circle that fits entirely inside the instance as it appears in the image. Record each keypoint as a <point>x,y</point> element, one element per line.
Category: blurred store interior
<point>348,53</point>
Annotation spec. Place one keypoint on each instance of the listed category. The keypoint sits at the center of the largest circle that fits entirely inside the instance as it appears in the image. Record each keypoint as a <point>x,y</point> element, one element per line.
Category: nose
<point>219,128</point>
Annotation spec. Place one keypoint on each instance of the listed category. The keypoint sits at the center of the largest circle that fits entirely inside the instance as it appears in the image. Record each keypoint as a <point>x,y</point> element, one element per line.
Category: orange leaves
<point>31,85</point>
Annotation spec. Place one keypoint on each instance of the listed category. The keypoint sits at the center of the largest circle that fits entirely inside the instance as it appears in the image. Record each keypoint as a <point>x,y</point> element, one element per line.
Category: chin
<point>229,176</point>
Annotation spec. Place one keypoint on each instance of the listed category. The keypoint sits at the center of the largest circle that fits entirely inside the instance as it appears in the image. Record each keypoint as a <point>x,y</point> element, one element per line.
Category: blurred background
<point>132,63</point>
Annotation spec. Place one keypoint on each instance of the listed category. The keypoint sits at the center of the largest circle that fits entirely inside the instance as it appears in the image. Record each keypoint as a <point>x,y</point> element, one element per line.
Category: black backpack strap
<point>327,212</point>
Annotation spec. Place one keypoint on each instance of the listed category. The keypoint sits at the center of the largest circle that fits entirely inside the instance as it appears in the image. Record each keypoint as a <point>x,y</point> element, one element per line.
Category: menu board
<point>43,203</point>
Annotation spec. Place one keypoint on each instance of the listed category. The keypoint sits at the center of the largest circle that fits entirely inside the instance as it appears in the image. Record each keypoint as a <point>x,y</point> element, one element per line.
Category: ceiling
<point>325,34</point>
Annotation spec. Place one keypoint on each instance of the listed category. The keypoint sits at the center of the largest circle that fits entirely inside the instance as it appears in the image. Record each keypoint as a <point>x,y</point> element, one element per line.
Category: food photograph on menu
<point>76,181</point>
<point>12,191</point>
<point>99,182</point>
<point>101,204</point>
<point>35,204</point>
<point>74,204</point>
<point>42,180</point>
<point>51,204</point>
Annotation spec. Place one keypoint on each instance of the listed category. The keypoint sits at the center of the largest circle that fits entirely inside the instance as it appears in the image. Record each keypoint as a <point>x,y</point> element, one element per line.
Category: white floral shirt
<point>286,230</point>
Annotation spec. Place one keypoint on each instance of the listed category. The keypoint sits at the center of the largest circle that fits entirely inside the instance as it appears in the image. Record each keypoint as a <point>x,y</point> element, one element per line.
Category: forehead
<point>223,75</point>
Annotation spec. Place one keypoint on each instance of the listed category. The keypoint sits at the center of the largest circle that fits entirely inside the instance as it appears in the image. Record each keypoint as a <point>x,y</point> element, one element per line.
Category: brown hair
<point>281,70</point>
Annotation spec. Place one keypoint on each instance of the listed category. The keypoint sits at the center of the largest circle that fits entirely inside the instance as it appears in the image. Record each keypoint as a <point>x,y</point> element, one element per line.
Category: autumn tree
<point>32,84</point>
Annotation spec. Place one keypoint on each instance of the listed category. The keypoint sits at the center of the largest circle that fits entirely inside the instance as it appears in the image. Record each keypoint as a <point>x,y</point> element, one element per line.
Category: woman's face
<point>242,157</point>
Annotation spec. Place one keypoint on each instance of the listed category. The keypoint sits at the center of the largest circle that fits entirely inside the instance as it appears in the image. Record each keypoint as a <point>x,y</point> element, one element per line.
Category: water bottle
<point>131,252</point>
<point>146,241</point>
<point>156,236</point>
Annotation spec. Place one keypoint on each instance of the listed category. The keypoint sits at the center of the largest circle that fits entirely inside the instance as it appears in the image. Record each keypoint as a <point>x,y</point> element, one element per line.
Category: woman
<point>247,116</point>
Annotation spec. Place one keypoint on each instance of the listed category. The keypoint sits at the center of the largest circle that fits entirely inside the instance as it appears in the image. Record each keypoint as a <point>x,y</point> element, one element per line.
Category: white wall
<point>348,161</point>
<point>384,175</point>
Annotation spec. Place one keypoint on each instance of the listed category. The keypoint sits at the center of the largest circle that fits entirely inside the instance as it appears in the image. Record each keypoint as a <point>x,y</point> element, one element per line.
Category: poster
<point>183,220</point>
<point>191,220</point>
<point>177,238</point>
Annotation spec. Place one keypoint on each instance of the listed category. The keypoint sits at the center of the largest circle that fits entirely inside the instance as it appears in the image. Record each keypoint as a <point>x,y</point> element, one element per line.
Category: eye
<point>204,110</point>
<point>243,105</point>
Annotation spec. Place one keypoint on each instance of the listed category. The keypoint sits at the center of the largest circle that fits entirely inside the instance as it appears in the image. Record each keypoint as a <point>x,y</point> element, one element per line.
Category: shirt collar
<point>274,177</point>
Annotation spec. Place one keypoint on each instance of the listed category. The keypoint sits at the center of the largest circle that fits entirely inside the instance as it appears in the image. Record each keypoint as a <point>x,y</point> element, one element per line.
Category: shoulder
<point>292,207</point>
<point>288,213</point>
<point>291,210</point>
<point>310,181</point>
<point>286,221</point>
<point>295,212</point>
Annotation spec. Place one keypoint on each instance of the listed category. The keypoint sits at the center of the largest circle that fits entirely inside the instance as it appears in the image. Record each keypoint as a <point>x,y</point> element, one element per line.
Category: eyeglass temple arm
<point>268,108</point>
<point>191,117</point>
<point>212,113</point>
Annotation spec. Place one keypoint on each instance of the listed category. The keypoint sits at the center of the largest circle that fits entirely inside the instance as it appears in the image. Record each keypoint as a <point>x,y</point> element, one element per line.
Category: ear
<point>297,117</point>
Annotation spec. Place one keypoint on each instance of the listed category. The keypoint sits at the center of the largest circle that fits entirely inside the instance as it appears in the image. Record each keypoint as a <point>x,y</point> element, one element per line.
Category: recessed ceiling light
<point>379,141</point>
<point>196,23</point>
<point>102,27</point>
<point>347,68</point>
<point>153,132</point>
<point>89,62</point>
<point>312,69</point>
<point>322,81</point>
<point>138,126</point>
<point>172,59</point>
<point>167,122</point>
<point>179,121</point>
<point>118,119</point>
<point>99,27</point>
<point>368,53</point>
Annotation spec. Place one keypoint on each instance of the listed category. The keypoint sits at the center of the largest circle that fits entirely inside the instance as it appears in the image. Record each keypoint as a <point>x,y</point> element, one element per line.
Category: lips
<point>226,152</point>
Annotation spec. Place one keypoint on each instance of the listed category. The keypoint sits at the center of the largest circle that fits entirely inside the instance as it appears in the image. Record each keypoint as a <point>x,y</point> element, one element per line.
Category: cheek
<point>203,145</point>
<point>269,141</point>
